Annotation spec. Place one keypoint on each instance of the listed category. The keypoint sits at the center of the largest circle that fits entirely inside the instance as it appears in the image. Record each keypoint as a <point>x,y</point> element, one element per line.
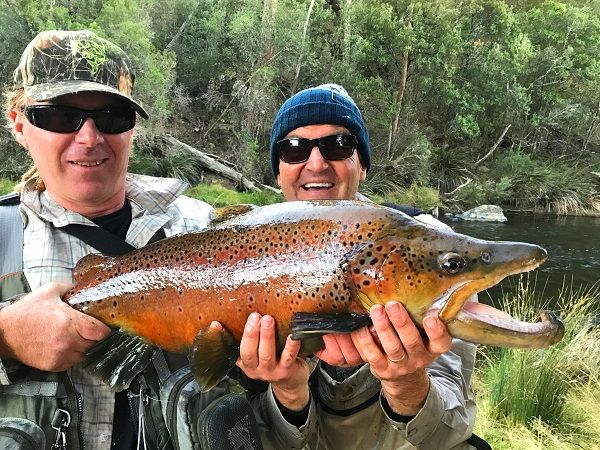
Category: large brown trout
<point>316,267</point>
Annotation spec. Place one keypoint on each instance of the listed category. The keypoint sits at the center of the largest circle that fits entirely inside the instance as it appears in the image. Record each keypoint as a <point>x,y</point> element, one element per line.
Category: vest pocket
<point>29,407</point>
<point>20,434</point>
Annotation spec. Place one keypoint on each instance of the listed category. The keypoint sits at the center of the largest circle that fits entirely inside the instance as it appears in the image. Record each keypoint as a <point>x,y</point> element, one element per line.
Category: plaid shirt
<point>49,254</point>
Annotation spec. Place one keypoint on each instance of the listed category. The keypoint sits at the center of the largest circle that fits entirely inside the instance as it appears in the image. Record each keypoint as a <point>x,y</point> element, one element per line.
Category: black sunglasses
<point>333,148</point>
<point>67,119</point>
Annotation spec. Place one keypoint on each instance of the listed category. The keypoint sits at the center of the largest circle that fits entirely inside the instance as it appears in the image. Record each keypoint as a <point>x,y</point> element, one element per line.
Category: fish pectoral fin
<point>307,325</point>
<point>117,359</point>
<point>311,345</point>
<point>212,356</point>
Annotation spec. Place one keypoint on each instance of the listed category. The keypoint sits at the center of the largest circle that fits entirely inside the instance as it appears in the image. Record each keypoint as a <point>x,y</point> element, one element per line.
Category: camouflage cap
<point>57,63</point>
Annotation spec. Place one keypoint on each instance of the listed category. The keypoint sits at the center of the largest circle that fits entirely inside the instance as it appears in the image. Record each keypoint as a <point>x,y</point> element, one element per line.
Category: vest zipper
<point>80,419</point>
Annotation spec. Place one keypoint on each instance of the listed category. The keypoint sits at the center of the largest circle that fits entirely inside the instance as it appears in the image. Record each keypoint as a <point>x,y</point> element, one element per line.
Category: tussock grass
<point>550,398</point>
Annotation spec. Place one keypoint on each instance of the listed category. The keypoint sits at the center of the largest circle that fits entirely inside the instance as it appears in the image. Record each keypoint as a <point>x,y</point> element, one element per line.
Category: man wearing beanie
<point>385,389</point>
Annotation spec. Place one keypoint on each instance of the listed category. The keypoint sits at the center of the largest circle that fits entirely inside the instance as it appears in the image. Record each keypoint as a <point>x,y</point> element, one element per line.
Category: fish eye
<point>486,257</point>
<point>452,263</point>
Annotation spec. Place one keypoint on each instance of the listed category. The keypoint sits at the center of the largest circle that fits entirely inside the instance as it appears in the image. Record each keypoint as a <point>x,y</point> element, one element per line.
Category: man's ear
<point>278,179</point>
<point>363,173</point>
<point>16,119</point>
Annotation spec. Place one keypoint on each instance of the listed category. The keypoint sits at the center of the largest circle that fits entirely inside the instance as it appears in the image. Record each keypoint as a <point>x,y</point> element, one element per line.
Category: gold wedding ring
<point>396,361</point>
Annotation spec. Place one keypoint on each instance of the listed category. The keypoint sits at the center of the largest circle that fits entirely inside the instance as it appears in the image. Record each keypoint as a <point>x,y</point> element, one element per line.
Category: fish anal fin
<point>89,265</point>
<point>117,359</point>
<point>305,326</point>
<point>212,356</point>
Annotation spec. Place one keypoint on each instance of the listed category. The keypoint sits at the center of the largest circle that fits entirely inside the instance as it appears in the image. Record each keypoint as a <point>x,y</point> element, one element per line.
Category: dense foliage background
<point>467,102</point>
<point>441,84</point>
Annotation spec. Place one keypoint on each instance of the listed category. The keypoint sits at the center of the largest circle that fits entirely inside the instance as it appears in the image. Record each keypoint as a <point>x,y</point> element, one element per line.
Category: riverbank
<point>583,212</point>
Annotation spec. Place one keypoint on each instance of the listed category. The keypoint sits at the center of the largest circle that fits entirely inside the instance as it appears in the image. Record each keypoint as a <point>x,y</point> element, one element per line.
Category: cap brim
<point>48,91</point>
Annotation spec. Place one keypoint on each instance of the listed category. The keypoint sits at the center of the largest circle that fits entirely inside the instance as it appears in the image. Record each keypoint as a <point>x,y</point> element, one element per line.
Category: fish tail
<point>306,325</point>
<point>117,359</point>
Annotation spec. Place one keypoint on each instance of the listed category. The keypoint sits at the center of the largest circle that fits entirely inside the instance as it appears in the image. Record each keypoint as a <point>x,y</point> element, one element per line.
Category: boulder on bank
<point>484,213</point>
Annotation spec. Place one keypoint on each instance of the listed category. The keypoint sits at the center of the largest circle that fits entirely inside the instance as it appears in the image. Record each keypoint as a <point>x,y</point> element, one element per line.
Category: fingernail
<point>430,322</point>
<point>377,311</point>
<point>392,307</point>
<point>267,321</point>
<point>253,320</point>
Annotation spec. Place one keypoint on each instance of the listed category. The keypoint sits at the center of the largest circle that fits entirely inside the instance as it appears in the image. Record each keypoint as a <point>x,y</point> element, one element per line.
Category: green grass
<point>546,399</point>
<point>218,196</point>
<point>6,186</point>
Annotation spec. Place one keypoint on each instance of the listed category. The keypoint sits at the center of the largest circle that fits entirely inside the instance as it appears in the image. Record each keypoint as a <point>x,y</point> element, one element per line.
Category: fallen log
<point>208,162</point>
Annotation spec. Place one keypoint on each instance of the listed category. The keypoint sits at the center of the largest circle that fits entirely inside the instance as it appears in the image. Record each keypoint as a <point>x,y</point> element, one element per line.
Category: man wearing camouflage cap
<point>72,110</point>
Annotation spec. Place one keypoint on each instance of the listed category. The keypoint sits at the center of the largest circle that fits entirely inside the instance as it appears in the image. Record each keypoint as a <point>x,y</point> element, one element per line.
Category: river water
<point>573,245</point>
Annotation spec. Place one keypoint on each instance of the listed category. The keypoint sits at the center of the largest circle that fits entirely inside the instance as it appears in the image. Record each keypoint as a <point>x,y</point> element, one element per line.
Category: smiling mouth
<point>309,186</point>
<point>88,163</point>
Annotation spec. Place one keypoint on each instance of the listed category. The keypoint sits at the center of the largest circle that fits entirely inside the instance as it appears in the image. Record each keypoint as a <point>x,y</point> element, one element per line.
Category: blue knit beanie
<point>324,104</point>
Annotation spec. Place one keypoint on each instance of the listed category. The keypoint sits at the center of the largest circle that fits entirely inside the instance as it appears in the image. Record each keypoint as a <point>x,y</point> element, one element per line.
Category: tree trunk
<point>398,97</point>
<point>175,38</point>
<point>210,163</point>
<point>301,55</point>
<point>347,27</point>
<point>488,154</point>
<point>268,19</point>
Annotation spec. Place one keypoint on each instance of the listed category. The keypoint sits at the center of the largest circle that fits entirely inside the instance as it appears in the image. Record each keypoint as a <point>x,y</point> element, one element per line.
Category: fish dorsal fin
<point>89,265</point>
<point>229,212</point>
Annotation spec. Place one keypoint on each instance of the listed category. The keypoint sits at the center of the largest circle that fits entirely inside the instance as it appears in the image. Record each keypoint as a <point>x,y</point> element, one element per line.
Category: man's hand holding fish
<point>287,373</point>
<point>398,355</point>
<point>57,335</point>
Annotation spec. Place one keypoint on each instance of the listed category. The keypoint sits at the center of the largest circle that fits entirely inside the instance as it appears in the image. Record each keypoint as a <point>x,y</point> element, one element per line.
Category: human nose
<point>315,161</point>
<point>88,134</point>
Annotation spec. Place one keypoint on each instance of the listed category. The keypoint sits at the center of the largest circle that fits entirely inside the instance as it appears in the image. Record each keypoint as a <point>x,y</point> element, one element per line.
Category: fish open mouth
<point>483,324</point>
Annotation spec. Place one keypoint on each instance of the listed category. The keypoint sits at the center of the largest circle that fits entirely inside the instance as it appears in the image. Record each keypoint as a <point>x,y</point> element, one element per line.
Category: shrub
<point>422,197</point>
